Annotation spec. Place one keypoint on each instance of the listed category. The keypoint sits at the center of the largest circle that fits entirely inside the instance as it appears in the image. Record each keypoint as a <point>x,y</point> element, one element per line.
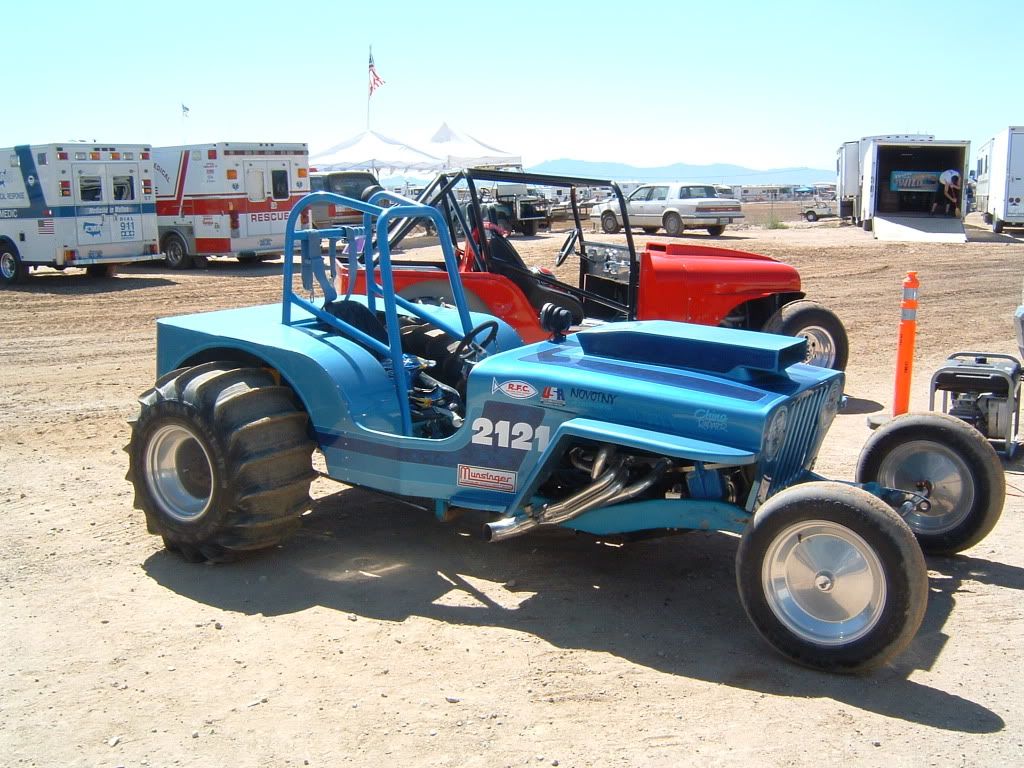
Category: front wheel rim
<point>824,583</point>
<point>821,347</point>
<point>179,473</point>
<point>939,474</point>
<point>8,266</point>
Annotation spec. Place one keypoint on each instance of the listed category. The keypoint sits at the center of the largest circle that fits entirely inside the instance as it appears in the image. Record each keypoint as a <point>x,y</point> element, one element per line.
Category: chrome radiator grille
<point>802,438</point>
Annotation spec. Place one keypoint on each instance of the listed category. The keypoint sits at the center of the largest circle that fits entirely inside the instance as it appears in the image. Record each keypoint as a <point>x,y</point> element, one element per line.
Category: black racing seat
<point>360,317</point>
<point>506,261</point>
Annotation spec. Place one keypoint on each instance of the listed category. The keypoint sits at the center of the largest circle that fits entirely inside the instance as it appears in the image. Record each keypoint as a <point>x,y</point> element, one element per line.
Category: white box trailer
<point>999,191</point>
<point>227,198</point>
<point>896,176</point>
<point>75,205</point>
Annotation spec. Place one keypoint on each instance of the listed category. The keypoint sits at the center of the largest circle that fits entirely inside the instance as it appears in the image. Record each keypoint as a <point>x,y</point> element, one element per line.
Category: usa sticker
<point>518,390</point>
<point>484,477</point>
<point>552,396</point>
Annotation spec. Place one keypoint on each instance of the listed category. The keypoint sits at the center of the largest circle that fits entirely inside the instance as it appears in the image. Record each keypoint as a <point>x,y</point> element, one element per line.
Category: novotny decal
<point>487,477</point>
<point>516,389</point>
<point>592,396</point>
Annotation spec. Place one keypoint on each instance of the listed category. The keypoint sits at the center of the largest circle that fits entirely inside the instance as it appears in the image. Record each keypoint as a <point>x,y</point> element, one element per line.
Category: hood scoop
<point>728,352</point>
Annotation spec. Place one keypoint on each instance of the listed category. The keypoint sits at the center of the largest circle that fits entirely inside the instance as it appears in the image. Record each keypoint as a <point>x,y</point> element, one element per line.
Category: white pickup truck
<point>673,206</point>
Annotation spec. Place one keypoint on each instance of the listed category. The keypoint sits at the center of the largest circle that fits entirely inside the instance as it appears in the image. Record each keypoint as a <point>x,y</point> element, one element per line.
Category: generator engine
<point>983,389</point>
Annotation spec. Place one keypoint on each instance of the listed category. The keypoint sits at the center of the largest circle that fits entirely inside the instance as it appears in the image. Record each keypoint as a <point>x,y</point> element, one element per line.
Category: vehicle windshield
<point>347,184</point>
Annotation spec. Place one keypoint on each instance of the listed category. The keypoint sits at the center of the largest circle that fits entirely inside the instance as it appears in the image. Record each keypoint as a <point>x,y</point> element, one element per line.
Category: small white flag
<point>184,111</point>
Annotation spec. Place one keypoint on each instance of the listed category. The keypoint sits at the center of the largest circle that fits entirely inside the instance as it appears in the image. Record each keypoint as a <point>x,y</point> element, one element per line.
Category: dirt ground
<point>378,636</point>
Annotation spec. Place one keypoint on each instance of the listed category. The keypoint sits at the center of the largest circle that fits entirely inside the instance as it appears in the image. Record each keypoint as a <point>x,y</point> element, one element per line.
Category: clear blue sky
<point>761,84</point>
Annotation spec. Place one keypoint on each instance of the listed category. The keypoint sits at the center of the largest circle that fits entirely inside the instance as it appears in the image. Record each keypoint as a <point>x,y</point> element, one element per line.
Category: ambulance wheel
<point>827,343</point>
<point>101,271</point>
<point>832,577</point>
<point>997,225</point>
<point>221,460</point>
<point>948,462</point>
<point>176,252</point>
<point>12,268</point>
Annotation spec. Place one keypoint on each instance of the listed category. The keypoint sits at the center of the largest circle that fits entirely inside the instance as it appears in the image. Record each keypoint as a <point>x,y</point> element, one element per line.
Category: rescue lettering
<point>269,216</point>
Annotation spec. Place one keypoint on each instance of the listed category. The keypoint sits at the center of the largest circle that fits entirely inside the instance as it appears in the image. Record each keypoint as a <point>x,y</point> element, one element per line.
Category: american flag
<point>375,81</point>
<point>45,226</point>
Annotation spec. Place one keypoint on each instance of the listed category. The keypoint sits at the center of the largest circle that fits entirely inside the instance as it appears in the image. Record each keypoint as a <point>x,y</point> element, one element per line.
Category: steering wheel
<point>469,349</point>
<point>567,247</point>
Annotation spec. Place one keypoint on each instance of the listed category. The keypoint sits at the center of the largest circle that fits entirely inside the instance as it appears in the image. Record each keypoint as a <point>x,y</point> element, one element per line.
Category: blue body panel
<point>523,405</point>
<point>701,397</point>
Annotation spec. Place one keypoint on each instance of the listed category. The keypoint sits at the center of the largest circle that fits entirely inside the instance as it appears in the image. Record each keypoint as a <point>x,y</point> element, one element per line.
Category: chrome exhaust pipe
<point>507,527</point>
<point>659,469</point>
<point>581,496</point>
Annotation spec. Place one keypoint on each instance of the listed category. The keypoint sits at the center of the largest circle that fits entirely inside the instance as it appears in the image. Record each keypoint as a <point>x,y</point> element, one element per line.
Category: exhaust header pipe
<point>610,488</point>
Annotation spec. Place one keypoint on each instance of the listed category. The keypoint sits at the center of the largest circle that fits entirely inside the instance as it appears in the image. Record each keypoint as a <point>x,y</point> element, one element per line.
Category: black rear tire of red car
<point>717,230</point>
<point>827,343</point>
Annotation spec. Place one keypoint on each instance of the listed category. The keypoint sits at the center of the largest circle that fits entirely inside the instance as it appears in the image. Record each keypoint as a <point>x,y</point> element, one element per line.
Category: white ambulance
<point>75,205</point>
<point>226,198</point>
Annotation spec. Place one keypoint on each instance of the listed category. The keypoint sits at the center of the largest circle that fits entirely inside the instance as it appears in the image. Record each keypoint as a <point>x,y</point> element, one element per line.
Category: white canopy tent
<point>457,150</point>
<point>370,151</point>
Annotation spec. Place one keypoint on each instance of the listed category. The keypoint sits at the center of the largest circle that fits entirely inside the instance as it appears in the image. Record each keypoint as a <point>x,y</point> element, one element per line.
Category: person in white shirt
<point>948,193</point>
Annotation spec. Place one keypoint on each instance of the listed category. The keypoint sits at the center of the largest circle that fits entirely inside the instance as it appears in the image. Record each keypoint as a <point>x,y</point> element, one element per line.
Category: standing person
<point>948,193</point>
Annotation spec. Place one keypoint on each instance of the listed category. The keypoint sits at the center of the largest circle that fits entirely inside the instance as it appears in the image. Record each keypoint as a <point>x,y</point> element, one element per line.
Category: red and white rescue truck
<point>75,205</point>
<point>226,198</point>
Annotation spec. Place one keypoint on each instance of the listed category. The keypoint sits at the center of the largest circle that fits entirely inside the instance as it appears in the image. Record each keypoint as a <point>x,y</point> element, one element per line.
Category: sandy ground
<point>378,636</point>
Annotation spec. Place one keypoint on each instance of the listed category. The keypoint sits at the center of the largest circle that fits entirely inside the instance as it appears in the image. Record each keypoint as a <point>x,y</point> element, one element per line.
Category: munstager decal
<point>485,477</point>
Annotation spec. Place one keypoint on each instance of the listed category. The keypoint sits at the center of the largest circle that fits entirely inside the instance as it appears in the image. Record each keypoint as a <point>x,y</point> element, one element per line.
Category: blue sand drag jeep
<point>626,427</point>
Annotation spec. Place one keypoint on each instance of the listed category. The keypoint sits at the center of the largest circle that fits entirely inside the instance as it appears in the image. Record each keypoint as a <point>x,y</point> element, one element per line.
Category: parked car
<point>347,183</point>
<point>819,209</point>
<point>674,207</point>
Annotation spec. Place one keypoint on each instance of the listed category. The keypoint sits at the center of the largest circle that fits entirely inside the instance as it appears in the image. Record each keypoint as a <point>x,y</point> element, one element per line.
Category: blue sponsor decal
<point>91,228</point>
<point>552,396</point>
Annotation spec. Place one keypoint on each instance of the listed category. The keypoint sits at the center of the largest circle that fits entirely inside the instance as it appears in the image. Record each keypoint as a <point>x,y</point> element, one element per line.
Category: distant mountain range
<point>717,173</point>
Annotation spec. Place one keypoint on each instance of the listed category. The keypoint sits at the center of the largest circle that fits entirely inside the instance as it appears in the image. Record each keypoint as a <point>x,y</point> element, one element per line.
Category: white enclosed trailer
<point>892,179</point>
<point>75,205</point>
<point>1000,179</point>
